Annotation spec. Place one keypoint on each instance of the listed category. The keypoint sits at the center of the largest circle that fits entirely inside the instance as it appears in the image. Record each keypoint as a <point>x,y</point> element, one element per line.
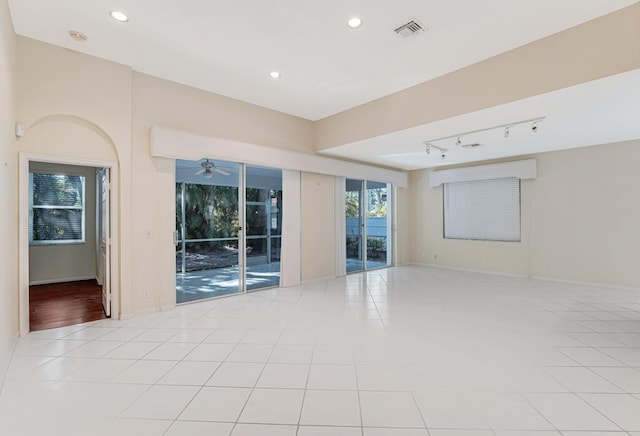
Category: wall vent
<point>411,28</point>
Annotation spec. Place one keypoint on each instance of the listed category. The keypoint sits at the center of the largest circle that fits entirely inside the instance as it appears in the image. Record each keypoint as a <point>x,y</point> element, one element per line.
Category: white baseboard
<point>60,280</point>
<point>302,282</point>
<point>524,276</point>
<point>584,283</point>
<point>126,316</point>
<point>145,311</point>
<point>473,270</point>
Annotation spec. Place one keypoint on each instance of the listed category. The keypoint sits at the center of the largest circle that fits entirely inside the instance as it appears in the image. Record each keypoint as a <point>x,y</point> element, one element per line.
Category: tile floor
<point>403,351</point>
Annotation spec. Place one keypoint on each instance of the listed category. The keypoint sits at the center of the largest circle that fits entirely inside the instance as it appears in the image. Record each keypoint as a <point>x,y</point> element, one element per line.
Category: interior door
<point>104,253</point>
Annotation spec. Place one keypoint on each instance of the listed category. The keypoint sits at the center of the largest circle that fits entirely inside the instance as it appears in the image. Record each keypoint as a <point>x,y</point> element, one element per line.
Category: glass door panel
<point>179,235</point>
<point>208,221</point>
<point>377,227</point>
<point>263,226</point>
<point>368,227</point>
<point>354,225</point>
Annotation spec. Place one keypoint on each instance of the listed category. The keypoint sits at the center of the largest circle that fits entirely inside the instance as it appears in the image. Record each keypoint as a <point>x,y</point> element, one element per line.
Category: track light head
<point>458,141</point>
<point>442,155</point>
<point>534,127</point>
<point>428,149</point>
<point>507,131</point>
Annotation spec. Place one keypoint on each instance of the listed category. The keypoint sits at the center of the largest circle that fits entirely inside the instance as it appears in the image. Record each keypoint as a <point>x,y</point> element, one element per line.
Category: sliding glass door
<point>263,203</point>
<point>368,225</point>
<point>208,230</point>
<point>354,225</point>
<point>226,238</point>
<point>378,225</point>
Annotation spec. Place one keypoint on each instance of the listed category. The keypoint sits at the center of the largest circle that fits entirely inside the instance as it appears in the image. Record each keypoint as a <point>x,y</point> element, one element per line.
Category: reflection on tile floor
<point>398,351</point>
<point>354,265</point>
<point>198,285</point>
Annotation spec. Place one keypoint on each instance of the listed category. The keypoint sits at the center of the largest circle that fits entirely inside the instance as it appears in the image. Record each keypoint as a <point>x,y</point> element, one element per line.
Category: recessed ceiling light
<point>274,75</point>
<point>119,16</point>
<point>354,22</point>
<point>77,36</point>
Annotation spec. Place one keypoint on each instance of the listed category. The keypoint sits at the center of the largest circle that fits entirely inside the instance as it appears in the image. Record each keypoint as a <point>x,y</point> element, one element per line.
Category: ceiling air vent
<point>473,145</point>
<point>411,28</point>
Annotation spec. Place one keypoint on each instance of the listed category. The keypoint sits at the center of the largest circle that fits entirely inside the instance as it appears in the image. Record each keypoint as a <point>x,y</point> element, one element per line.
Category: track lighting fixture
<point>506,128</point>
<point>429,146</point>
<point>534,127</point>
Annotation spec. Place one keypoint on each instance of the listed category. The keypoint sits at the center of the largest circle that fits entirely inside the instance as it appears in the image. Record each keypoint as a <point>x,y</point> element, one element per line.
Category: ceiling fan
<point>208,168</point>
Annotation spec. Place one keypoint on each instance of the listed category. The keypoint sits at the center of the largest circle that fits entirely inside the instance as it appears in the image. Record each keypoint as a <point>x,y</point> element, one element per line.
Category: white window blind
<point>56,209</point>
<point>483,210</point>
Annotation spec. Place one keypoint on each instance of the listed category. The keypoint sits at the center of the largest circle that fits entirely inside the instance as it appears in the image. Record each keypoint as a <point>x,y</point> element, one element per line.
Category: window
<point>486,210</point>
<point>56,209</point>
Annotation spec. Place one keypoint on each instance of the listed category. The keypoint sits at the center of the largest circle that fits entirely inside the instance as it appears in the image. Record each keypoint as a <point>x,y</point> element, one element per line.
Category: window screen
<point>483,210</point>
<point>56,203</point>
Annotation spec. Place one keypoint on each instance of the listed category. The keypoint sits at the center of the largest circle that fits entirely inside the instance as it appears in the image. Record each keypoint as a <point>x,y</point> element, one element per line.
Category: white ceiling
<point>229,47</point>
<point>598,112</point>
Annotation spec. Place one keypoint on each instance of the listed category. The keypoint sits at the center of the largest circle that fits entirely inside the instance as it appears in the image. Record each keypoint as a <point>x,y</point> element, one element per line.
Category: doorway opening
<point>68,244</point>
<point>368,225</point>
<point>228,228</point>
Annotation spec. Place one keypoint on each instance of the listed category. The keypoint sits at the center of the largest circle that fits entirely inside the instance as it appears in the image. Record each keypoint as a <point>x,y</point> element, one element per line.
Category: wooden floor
<point>63,304</point>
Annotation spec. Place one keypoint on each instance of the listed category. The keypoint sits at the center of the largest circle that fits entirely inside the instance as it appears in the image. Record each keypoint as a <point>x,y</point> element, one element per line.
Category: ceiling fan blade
<point>200,171</point>
<point>219,171</point>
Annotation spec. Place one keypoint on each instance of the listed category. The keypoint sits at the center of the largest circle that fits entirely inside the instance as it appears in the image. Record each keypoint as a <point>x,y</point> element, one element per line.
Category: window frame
<point>82,209</point>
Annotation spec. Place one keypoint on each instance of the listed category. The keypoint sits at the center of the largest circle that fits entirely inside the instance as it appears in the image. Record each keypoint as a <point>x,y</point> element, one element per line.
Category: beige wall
<point>8,191</point>
<point>169,104</point>
<point>318,229</point>
<point>65,262</point>
<point>404,210</point>
<point>599,48</point>
<point>579,220</point>
<point>585,217</point>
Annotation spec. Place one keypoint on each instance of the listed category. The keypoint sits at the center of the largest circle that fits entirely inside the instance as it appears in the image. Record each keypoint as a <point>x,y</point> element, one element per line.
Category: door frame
<point>23,228</point>
<point>103,221</point>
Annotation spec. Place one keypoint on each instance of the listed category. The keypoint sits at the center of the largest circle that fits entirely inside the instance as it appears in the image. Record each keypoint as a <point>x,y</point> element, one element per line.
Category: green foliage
<point>377,202</point>
<point>51,224</point>
<point>210,212</point>
<point>376,247</point>
<point>377,207</point>
<point>353,246</point>
<point>352,204</point>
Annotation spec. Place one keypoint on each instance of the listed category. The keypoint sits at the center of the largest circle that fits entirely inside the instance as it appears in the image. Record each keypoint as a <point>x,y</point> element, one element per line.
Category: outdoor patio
<point>198,285</point>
